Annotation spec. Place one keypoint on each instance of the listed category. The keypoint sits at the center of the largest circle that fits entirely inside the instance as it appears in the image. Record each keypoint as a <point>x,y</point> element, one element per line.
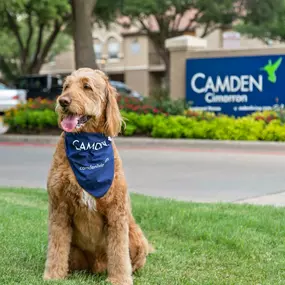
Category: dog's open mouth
<point>70,122</point>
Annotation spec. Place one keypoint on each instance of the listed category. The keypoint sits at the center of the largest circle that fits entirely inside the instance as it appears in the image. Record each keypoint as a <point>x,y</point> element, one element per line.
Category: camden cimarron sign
<point>236,85</point>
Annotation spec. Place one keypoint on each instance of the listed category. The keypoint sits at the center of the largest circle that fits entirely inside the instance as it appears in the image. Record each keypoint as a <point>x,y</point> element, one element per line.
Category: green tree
<point>167,16</point>
<point>85,14</point>
<point>28,31</point>
<point>263,20</point>
<point>82,13</point>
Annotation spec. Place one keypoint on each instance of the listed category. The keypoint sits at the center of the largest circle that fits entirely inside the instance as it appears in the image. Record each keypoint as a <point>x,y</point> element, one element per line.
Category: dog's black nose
<point>65,101</point>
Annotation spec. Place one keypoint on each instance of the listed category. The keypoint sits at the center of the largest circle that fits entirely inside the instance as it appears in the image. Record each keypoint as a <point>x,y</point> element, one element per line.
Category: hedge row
<point>162,126</point>
<point>219,128</point>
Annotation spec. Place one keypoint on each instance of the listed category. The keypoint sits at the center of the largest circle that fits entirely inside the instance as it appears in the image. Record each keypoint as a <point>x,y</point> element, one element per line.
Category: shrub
<point>159,94</point>
<point>221,128</point>
<point>274,131</point>
<point>129,130</point>
<point>160,99</point>
<point>200,115</point>
<point>129,104</point>
<point>138,124</point>
<point>266,116</point>
<point>280,112</point>
<point>38,104</point>
<point>172,107</point>
<point>30,120</point>
<point>168,127</point>
<point>266,126</point>
<point>245,128</point>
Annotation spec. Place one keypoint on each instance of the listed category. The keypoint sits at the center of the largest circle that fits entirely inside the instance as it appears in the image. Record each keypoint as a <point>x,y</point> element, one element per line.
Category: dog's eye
<point>87,86</point>
<point>65,87</point>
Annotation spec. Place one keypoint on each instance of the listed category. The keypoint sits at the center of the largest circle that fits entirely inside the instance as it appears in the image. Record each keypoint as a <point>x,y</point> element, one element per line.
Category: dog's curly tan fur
<point>85,233</point>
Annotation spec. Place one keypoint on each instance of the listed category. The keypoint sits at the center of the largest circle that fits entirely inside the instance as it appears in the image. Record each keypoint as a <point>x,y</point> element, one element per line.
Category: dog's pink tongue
<point>69,123</point>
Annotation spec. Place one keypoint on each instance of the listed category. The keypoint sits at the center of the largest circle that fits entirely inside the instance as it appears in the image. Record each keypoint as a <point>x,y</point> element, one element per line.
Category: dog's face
<point>88,103</point>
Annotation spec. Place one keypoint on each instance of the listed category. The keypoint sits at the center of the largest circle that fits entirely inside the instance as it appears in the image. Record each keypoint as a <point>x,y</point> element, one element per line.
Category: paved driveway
<point>186,174</point>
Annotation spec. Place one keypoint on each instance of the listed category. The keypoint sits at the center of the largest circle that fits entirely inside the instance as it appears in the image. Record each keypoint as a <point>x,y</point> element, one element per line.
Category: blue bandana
<point>91,158</point>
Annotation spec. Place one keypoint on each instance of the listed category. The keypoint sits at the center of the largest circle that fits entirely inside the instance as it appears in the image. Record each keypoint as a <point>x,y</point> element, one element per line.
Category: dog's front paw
<point>53,276</point>
<point>120,281</point>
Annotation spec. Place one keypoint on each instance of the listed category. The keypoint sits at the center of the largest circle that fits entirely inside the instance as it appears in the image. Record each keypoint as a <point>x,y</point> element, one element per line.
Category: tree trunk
<point>167,70</point>
<point>159,47</point>
<point>82,33</point>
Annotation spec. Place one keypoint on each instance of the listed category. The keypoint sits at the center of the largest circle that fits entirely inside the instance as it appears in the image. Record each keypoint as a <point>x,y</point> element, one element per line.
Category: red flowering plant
<point>32,117</point>
<point>131,104</point>
<point>38,104</point>
<point>266,116</point>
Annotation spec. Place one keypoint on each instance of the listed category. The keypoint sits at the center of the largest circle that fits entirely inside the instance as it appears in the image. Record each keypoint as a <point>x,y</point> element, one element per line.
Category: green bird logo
<point>271,69</point>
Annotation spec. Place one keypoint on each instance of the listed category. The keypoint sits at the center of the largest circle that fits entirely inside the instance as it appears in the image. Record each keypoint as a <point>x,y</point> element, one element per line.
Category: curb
<point>274,199</point>
<point>153,142</point>
<point>33,139</point>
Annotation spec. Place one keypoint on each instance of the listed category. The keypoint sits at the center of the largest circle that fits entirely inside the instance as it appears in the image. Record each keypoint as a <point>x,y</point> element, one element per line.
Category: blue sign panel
<point>236,85</point>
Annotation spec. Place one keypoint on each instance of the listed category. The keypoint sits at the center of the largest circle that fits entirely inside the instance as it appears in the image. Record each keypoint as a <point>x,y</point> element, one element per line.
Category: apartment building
<point>129,56</point>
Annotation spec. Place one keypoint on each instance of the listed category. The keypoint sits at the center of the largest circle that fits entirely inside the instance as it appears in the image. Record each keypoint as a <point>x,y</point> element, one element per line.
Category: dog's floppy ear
<point>114,120</point>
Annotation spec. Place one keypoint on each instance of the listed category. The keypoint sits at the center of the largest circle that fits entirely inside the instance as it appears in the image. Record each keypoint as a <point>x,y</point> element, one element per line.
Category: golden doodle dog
<point>90,222</point>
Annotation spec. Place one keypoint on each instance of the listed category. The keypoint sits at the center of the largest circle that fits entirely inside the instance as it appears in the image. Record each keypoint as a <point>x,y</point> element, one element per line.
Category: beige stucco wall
<point>214,40</point>
<point>137,59</point>
<point>63,63</point>
<point>138,80</point>
<point>177,74</point>
<point>178,62</point>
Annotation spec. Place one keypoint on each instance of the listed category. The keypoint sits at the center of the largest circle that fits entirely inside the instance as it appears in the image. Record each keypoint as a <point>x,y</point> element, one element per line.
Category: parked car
<point>10,97</point>
<point>124,90</point>
<point>50,86</point>
<point>45,86</point>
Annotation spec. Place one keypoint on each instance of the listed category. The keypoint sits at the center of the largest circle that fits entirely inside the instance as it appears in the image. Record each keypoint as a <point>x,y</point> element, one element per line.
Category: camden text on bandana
<point>91,158</point>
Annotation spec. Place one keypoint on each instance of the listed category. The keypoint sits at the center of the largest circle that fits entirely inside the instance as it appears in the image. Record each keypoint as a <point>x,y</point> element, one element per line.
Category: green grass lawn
<point>201,244</point>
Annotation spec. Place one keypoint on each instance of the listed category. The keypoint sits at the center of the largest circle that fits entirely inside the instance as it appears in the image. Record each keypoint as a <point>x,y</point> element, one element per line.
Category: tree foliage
<point>28,31</point>
<point>168,15</point>
<point>10,57</point>
<point>263,19</point>
<point>33,31</point>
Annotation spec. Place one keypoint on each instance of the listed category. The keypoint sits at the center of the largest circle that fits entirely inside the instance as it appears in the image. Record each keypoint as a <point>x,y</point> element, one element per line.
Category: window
<point>33,82</point>
<point>135,46</point>
<point>38,82</point>
<point>113,48</point>
<point>97,48</point>
<point>56,82</point>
